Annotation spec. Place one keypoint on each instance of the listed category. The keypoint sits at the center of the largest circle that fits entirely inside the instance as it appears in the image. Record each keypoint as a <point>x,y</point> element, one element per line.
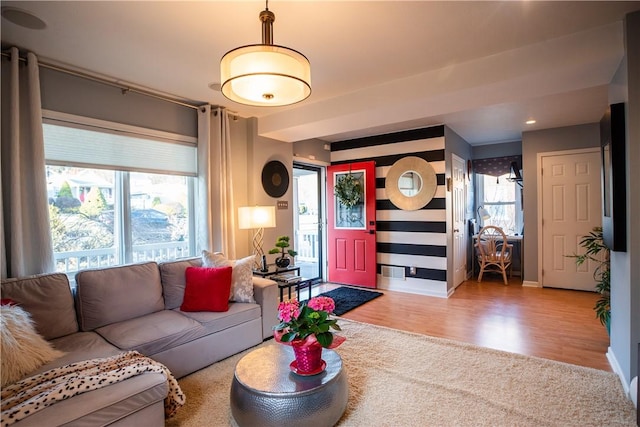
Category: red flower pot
<point>308,358</point>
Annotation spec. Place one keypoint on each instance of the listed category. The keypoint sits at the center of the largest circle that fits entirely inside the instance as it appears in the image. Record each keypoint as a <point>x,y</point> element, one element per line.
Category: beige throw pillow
<point>241,277</point>
<point>23,350</point>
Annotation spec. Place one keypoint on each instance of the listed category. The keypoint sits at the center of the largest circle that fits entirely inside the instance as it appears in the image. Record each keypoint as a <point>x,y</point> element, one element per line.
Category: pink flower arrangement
<point>307,320</point>
<point>322,304</point>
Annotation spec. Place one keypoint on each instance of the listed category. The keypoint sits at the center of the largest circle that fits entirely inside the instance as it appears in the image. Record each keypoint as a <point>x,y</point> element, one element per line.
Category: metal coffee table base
<point>264,391</point>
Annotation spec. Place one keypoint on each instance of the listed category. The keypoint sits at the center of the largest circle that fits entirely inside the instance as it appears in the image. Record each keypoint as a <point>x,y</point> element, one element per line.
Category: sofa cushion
<point>241,283</point>
<point>115,294</point>
<point>152,333</point>
<point>107,406</point>
<point>215,322</point>
<point>23,350</point>
<point>78,347</point>
<point>49,301</point>
<point>207,289</point>
<point>173,280</point>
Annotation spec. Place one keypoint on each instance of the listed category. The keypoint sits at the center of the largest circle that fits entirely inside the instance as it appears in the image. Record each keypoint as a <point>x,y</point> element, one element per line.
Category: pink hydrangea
<point>322,304</point>
<point>288,310</point>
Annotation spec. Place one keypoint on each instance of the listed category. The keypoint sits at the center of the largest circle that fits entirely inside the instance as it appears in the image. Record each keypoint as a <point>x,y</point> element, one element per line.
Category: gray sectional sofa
<point>134,307</point>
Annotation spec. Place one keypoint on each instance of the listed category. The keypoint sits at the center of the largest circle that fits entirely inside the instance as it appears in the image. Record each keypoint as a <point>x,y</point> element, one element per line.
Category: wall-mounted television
<point>614,205</point>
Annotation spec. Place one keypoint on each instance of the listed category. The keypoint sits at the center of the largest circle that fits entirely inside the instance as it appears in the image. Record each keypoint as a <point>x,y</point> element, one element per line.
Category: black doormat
<point>349,298</point>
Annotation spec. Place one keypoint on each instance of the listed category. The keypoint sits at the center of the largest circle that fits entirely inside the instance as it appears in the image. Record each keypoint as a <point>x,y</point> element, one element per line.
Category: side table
<point>264,391</point>
<point>275,273</point>
<point>300,284</point>
<point>272,270</point>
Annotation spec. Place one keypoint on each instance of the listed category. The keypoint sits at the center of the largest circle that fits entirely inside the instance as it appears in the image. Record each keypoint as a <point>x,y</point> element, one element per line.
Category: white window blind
<point>80,141</point>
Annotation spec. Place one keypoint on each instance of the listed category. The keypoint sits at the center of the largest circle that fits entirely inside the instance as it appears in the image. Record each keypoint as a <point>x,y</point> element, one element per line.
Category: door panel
<point>351,232</point>
<point>459,229</point>
<point>570,209</point>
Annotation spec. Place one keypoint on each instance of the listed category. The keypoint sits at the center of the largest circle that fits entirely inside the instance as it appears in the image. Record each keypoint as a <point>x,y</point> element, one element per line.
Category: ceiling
<point>482,68</point>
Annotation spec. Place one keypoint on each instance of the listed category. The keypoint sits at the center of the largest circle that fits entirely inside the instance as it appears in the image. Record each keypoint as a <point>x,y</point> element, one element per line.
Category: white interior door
<point>571,207</point>
<point>459,230</point>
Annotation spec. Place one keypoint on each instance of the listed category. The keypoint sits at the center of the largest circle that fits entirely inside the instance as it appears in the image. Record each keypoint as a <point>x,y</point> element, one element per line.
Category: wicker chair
<point>493,251</point>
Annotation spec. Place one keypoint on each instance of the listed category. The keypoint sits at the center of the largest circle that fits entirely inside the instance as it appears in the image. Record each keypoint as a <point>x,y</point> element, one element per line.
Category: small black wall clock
<point>275,178</point>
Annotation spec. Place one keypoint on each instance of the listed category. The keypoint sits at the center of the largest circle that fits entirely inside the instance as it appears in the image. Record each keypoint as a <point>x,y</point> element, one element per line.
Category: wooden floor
<point>549,323</point>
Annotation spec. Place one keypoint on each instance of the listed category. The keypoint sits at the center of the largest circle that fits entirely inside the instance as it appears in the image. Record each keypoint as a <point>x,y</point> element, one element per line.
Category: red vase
<point>308,358</point>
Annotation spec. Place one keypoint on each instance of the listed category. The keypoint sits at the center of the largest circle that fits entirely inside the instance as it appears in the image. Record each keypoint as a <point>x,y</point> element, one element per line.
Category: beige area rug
<point>403,379</point>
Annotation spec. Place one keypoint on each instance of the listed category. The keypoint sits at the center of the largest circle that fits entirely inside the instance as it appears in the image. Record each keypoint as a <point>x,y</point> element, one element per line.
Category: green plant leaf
<point>325,339</point>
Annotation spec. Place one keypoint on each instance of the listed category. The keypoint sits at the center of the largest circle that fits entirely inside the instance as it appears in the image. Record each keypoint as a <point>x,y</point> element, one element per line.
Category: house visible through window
<point>503,200</point>
<point>107,207</point>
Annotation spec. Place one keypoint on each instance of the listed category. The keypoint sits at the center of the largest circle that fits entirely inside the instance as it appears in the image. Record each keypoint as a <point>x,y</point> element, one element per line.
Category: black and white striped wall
<point>406,239</point>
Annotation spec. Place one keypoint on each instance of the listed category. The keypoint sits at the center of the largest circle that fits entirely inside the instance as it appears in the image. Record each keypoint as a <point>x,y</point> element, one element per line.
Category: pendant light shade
<point>265,74</point>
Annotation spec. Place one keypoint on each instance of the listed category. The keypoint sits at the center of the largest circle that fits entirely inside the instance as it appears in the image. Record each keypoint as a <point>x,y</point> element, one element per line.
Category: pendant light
<point>265,74</point>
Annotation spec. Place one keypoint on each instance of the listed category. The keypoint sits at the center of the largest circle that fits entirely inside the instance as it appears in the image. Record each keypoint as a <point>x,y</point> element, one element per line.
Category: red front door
<point>352,231</point>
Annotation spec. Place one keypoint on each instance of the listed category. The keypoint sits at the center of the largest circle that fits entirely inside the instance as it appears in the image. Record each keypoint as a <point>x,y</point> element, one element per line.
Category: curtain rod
<point>122,87</point>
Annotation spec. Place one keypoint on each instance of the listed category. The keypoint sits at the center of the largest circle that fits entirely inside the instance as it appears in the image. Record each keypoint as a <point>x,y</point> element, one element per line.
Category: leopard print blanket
<point>35,393</point>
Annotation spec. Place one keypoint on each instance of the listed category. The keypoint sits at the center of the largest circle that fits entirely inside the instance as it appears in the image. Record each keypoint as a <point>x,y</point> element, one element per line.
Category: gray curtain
<point>24,226</point>
<point>216,222</point>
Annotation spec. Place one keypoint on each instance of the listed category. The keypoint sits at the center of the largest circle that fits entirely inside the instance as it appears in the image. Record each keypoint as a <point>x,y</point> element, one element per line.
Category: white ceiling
<point>482,68</point>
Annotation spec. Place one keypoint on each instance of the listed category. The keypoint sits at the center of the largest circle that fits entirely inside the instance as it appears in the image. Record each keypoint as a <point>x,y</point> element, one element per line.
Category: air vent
<point>393,272</point>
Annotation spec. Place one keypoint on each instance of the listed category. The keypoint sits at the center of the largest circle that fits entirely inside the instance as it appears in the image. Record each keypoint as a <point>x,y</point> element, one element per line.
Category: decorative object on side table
<point>283,260</point>
<point>349,190</point>
<point>593,243</point>
<point>307,328</point>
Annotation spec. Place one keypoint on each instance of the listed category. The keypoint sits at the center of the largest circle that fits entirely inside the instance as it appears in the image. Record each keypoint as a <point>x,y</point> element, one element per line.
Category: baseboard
<point>531,284</point>
<point>415,287</point>
<point>611,357</point>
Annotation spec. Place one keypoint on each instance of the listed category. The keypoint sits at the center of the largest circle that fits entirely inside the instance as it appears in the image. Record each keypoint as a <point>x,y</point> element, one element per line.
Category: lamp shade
<point>265,75</point>
<point>483,213</point>
<point>256,217</point>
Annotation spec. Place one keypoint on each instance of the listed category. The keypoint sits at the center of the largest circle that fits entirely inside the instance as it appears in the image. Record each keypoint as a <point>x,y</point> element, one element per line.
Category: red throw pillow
<point>207,289</point>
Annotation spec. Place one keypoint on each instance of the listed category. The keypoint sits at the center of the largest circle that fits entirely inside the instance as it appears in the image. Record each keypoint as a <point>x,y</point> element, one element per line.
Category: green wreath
<point>348,190</point>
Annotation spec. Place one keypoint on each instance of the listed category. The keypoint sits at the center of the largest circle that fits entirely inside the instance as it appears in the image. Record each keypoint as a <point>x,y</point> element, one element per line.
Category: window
<point>503,200</point>
<point>115,196</point>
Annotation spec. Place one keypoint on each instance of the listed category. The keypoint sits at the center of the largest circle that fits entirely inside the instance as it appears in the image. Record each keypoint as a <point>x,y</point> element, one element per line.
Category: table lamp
<point>483,214</point>
<point>258,218</point>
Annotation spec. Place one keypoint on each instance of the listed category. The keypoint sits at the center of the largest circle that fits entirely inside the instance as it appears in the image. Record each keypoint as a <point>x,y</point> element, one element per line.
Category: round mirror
<point>410,183</point>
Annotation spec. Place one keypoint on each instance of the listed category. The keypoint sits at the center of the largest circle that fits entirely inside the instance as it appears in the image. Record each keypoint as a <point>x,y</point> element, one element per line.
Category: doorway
<point>308,217</point>
<point>459,208</point>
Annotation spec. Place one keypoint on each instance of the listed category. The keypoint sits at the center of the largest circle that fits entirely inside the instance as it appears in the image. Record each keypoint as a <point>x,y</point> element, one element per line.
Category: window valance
<point>496,166</point>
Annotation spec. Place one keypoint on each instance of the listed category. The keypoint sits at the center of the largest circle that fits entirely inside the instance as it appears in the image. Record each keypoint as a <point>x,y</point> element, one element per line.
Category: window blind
<point>98,144</point>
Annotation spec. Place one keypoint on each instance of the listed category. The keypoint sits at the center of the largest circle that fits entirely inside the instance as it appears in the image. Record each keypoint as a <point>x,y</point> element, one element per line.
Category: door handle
<point>455,230</point>
<point>370,232</point>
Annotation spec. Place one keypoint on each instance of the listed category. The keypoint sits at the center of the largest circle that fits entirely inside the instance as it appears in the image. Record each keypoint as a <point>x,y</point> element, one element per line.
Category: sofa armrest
<point>265,292</point>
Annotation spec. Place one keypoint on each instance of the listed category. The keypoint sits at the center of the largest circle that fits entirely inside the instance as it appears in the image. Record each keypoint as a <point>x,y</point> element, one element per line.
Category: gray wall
<point>548,140</point>
<point>497,150</point>
<point>261,150</point>
<point>74,95</point>
<point>625,266</point>
<point>312,149</point>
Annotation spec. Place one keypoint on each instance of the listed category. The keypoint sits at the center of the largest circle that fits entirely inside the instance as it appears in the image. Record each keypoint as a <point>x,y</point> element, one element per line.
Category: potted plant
<point>281,245</point>
<point>598,252</point>
<point>307,328</point>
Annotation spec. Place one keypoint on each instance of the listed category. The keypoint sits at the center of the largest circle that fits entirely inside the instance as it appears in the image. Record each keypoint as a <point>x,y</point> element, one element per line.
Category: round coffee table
<point>265,392</point>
